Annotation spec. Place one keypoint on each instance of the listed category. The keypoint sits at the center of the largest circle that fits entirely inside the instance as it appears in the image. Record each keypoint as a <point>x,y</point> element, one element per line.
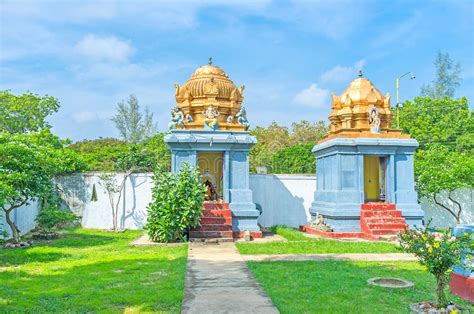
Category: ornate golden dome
<point>210,86</point>
<point>361,111</point>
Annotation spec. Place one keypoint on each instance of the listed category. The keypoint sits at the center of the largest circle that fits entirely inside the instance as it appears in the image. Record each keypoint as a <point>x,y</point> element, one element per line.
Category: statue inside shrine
<point>242,117</point>
<point>211,194</point>
<point>176,118</point>
<point>211,115</point>
<point>374,120</point>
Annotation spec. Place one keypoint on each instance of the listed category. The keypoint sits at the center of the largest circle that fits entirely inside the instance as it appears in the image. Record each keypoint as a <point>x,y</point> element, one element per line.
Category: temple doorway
<point>211,166</point>
<point>374,178</point>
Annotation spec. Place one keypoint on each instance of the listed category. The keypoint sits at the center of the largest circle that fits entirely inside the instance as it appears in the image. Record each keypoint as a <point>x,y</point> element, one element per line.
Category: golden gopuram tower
<point>362,111</point>
<point>209,98</point>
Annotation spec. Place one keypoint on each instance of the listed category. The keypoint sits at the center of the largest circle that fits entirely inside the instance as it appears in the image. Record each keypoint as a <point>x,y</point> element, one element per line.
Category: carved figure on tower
<point>242,117</point>
<point>211,115</point>
<point>374,120</point>
<point>176,118</point>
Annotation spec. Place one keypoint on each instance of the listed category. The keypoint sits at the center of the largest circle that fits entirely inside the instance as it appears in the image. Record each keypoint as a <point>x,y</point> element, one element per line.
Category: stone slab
<point>218,281</point>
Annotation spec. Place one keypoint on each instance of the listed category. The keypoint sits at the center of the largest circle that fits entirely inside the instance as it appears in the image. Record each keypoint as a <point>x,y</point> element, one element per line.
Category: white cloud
<point>313,96</point>
<point>104,48</point>
<point>341,74</point>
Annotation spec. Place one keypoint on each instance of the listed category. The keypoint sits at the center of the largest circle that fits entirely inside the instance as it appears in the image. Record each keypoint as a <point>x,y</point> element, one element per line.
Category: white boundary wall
<point>283,199</point>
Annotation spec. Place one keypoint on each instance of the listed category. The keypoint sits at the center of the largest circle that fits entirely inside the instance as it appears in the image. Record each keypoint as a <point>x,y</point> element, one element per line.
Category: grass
<point>341,286</point>
<point>92,271</point>
<point>299,244</point>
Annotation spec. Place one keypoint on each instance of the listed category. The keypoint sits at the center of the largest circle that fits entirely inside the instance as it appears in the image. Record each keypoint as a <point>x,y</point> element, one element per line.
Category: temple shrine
<point>209,130</point>
<point>364,168</point>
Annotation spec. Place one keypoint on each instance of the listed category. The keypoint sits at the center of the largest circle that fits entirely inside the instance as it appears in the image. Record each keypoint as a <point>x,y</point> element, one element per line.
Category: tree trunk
<point>441,301</point>
<point>13,227</point>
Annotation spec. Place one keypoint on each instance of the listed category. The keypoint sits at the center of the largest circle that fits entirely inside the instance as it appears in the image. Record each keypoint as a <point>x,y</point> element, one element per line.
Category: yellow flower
<point>436,244</point>
<point>424,267</point>
<point>453,311</point>
<point>430,250</point>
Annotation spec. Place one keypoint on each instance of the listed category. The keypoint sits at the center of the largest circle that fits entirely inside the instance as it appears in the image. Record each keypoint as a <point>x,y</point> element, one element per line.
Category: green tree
<point>304,132</point>
<point>133,125</point>
<point>436,120</point>
<point>270,140</point>
<point>447,78</point>
<point>438,169</point>
<point>100,154</point>
<point>25,113</point>
<point>27,164</point>
<point>296,159</point>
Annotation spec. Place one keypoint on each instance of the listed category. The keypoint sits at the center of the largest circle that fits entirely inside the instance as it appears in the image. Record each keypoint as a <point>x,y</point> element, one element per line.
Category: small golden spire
<point>210,61</point>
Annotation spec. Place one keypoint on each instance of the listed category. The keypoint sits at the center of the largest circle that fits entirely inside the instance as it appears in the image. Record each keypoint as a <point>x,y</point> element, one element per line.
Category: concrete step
<point>378,206</point>
<point>218,227</point>
<point>216,213</point>
<point>211,240</point>
<point>216,220</point>
<point>210,234</point>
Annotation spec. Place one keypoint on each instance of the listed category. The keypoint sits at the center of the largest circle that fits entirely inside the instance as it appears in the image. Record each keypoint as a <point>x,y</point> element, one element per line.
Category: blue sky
<point>290,54</point>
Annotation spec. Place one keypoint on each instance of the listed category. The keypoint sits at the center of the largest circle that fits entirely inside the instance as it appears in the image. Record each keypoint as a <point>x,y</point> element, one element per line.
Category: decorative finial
<point>210,61</point>
<point>360,73</point>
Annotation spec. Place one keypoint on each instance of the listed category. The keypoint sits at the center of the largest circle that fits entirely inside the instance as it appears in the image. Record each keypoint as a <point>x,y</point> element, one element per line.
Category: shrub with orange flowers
<point>437,252</point>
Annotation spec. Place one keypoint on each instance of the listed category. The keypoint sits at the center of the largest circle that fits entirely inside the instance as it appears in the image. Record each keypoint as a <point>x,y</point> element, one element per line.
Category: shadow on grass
<point>15,257</point>
<point>341,286</point>
<point>78,240</point>
<point>141,284</point>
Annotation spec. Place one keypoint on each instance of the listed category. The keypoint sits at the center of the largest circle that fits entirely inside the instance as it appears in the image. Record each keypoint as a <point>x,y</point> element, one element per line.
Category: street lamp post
<point>397,82</point>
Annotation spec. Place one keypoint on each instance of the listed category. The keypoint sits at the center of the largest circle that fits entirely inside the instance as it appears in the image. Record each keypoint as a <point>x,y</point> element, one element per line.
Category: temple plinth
<point>363,160</point>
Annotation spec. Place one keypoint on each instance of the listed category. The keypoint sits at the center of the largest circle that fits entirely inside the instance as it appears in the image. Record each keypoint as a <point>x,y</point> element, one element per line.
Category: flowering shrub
<point>437,252</point>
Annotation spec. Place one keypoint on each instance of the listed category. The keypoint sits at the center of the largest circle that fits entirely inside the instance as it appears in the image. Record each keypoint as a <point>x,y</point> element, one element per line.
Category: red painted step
<point>386,226</point>
<point>213,205</point>
<point>380,213</point>
<point>216,220</point>
<point>384,232</point>
<point>384,220</point>
<point>378,206</point>
<point>217,213</point>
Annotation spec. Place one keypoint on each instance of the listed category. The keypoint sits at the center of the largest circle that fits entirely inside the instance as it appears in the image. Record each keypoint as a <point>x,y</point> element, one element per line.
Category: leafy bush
<point>176,204</point>
<point>437,252</point>
<point>52,218</point>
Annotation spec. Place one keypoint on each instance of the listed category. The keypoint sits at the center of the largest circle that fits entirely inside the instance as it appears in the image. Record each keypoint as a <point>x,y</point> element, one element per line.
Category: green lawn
<point>299,244</point>
<point>341,286</point>
<point>92,271</point>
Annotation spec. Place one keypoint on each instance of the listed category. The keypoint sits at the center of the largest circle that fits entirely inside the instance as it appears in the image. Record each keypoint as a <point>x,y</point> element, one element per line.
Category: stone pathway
<point>366,257</point>
<point>218,281</point>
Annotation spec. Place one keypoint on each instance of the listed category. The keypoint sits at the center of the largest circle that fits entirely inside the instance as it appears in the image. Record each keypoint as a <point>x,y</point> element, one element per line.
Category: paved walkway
<point>218,281</point>
<point>367,257</point>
